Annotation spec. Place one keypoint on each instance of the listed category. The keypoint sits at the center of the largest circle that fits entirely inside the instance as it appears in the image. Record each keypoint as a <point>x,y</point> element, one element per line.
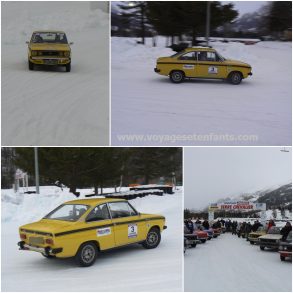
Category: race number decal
<point>132,230</point>
<point>213,70</point>
<point>104,231</point>
<point>188,66</point>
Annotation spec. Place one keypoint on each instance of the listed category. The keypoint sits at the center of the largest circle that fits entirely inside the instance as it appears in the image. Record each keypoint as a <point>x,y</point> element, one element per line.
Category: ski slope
<point>48,106</point>
<point>127,269</point>
<point>229,263</point>
<point>147,109</point>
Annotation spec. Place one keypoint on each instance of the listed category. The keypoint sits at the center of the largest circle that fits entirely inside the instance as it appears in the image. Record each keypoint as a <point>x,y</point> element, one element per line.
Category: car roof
<point>93,201</point>
<point>48,31</point>
<point>199,49</point>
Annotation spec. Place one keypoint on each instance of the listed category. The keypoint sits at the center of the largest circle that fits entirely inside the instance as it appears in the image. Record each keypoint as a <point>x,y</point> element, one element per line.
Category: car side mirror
<point>71,43</point>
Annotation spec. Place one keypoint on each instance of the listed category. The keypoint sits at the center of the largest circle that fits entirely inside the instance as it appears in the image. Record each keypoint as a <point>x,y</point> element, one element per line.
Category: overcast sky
<point>214,173</point>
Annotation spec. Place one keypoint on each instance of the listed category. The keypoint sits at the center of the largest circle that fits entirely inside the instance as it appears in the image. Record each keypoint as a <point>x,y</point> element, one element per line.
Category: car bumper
<point>250,73</point>
<point>268,245</point>
<point>44,250</point>
<point>157,70</point>
<point>49,61</point>
<point>165,227</point>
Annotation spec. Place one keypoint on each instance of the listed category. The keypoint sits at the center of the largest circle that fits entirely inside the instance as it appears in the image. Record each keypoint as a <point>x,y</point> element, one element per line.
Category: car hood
<point>50,47</point>
<point>48,226</point>
<point>271,236</point>
<point>235,63</point>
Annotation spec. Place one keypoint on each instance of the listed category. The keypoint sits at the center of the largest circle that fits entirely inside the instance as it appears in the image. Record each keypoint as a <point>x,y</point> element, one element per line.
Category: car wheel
<point>30,65</point>
<point>153,239</point>
<point>203,240</point>
<point>282,258</point>
<point>235,78</point>
<point>86,254</point>
<point>177,76</point>
<point>48,255</point>
<point>262,248</point>
<point>68,67</point>
<point>193,245</point>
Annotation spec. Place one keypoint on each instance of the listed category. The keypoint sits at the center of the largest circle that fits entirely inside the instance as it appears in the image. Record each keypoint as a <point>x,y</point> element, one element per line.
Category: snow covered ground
<point>50,106</point>
<point>130,268</point>
<point>147,109</point>
<point>230,264</point>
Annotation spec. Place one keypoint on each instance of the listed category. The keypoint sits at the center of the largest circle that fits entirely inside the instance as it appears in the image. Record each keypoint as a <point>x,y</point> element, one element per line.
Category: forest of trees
<point>188,18</point>
<point>99,167</point>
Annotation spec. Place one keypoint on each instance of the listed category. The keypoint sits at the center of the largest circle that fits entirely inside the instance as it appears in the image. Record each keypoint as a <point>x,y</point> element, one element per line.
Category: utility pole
<point>208,20</point>
<point>37,171</point>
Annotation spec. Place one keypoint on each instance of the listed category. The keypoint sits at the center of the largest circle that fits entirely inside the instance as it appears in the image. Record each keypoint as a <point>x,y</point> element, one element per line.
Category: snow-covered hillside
<point>125,269</point>
<point>49,106</point>
<point>145,103</point>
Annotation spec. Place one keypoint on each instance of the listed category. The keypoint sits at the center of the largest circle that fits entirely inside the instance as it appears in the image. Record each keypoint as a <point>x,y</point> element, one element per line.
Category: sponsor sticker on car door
<point>132,231</point>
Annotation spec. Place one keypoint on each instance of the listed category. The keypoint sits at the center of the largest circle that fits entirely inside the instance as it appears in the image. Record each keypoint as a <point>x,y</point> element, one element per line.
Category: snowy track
<point>131,268</point>
<point>145,103</point>
<point>230,264</point>
<point>48,106</point>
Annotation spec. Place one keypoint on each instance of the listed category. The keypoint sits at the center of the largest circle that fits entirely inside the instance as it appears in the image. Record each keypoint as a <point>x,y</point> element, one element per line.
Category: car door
<point>188,63</point>
<point>209,65</point>
<point>128,225</point>
<point>100,221</point>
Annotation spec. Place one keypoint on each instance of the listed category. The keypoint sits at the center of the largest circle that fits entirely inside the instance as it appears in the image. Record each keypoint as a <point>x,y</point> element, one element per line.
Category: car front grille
<point>269,241</point>
<point>50,53</point>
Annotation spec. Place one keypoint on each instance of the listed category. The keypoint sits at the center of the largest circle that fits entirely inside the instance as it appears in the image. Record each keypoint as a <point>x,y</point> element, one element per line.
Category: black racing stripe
<point>36,232</point>
<point>105,226</point>
<point>82,230</point>
<point>188,63</point>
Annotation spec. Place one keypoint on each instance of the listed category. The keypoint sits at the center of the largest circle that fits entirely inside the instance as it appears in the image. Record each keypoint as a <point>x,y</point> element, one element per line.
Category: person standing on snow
<point>285,231</point>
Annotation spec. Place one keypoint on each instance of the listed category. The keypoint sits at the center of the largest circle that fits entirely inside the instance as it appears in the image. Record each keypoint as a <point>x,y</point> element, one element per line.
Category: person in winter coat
<point>248,227</point>
<point>270,224</point>
<point>189,225</point>
<point>234,228</point>
<point>206,224</point>
<point>285,231</point>
<point>255,226</point>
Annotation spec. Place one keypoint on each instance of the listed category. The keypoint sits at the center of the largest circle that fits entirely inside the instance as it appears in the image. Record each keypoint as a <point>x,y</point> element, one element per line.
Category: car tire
<point>177,76</point>
<point>193,245</point>
<point>68,67</point>
<point>86,254</point>
<point>282,258</point>
<point>203,240</point>
<point>153,239</point>
<point>48,255</point>
<point>262,248</point>
<point>235,78</point>
<point>30,65</point>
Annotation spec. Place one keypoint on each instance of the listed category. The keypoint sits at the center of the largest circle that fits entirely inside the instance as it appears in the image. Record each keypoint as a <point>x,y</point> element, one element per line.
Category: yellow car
<point>82,228</point>
<point>253,236</point>
<point>202,62</point>
<point>49,48</point>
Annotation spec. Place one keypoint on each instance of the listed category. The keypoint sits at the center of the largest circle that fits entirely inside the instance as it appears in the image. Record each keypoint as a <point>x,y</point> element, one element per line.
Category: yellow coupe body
<point>49,48</point>
<point>202,62</point>
<point>104,223</point>
<point>253,237</point>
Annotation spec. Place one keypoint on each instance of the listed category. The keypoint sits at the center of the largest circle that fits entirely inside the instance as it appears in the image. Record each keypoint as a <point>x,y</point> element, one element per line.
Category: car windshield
<point>221,57</point>
<point>48,37</point>
<point>177,54</point>
<point>274,230</point>
<point>68,212</point>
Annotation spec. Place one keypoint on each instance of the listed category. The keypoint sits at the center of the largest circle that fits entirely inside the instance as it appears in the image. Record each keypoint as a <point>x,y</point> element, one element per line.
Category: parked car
<point>201,235</point>
<point>191,239</point>
<point>202,62</point>
<point>49,48</point>
<point>253,237</point>
<point>82,228</point>
<point>285,248</point>
<point>271,239</point>
<point>210,231</point>
<point>217,232</point>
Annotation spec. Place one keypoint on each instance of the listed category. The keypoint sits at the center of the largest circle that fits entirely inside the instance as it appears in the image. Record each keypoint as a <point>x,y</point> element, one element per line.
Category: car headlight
<point>67,54</point>
<point>281,247</point>
<point>34,53</point>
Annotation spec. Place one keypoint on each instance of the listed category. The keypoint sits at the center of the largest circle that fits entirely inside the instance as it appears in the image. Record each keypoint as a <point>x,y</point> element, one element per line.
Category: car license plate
<point>36,240</point>
<point>51,62</point>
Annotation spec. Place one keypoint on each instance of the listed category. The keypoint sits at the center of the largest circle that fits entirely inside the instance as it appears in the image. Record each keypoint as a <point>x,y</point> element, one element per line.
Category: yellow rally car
<point>82,228</point>
<point>49,48</point>
<point>202,62</point>
<point>253,237</point>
